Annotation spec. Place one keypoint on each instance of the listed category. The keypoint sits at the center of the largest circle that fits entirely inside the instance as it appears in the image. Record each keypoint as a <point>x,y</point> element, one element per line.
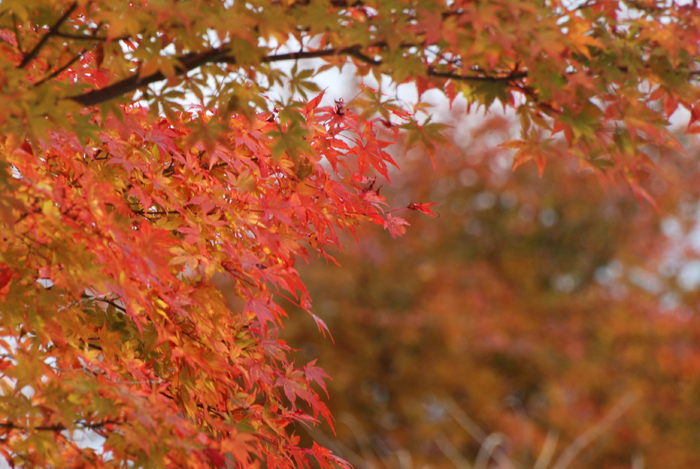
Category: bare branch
<point>451,452</point>
<point>583,440</point>
<point>16,30</point>
<point>547,451</point>
<point>493,441</point>
<point>108,302</point>
<point>464,421</point>
<point>477,433</point>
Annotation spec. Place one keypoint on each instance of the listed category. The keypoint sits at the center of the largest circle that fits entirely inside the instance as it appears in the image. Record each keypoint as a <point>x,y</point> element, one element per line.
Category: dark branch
<point>82,37</point>
<point>61,69</point>
<point>33,53</point>
<point>70,62</point>
<point>14,26</point>
<point>222,55</point>
<point>364,58</point>
<point>353,51</point>
<point>58,427</point>
<point>478,78</point>
<point>106,301</point>
<point>133,83</point>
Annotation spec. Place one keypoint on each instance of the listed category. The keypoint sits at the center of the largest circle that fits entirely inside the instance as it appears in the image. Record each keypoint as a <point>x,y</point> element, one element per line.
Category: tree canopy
<point>560,318</point>
<point>119,202</point>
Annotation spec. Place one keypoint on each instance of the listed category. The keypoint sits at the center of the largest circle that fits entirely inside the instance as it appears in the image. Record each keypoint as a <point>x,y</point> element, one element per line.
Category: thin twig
<point>451,452</point>
<point>106,301</point>
<point>637,461</point>
<point>33,53</point>
<point>470,78</point>
<point>82,37</point>
<point>61,69</point>
<point>491,443</point>
<point>359,434</point>
<point>336,446</point>
<point>70,62</point>
<point>594,432</point>
<point>465,422</point>
<point>14,26</point>
<point>547,451</point>
<point>477,433</point>
<point>58,427</point>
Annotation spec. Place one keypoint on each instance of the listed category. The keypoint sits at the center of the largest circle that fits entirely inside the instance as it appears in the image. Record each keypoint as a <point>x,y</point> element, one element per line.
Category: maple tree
<point>558,316</point>
<point>119,203</point>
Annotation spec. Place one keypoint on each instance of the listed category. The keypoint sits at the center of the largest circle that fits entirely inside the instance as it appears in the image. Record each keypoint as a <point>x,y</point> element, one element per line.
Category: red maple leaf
<point>424,208</point>
<point>5,280</point>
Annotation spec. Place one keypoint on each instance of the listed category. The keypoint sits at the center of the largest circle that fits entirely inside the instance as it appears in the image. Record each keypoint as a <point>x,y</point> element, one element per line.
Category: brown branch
<point>133,83</point>
<point>353,51</point>
<point>532,94</point>
<point>346,3</point>
<point>33,53</point>
<point>58,427</point>
<point>14,26</point>
<point>364,58</point>
<point>82,37</point>
<point>222,55</point>
<point>477,78</point>
<point>60,70</point>
<point>583,440</point>
<point>209,408</point>
<point>104,300</point>
<point>155,212</point>
<point>70,62</point>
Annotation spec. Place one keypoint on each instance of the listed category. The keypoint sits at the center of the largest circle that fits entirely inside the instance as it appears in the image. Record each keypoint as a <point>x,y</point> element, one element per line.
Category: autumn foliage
<point>557,314</point>
<point>120,202</point>
<point>126,236</point>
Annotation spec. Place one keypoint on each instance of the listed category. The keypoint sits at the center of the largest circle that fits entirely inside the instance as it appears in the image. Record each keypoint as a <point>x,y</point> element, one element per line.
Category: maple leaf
<point>322,327</point>
<point>5,280</point>
<point>430,135</point>
<point>533,148</point>
<point>131,203</point>
<point>423,207</point>
<point>215,457</point>
<point>316,374</point>
<point>395,225</point>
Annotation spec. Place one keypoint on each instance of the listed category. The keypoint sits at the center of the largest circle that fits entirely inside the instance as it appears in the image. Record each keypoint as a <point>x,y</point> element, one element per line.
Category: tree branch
<point>60,70</point>
<point>58,427</point>
<point>583,440</point>
<point>77,57</point>
<point>82,37</point>
<point>104,300</point>
<point>33,53</point>
<point>478,78</point>
<point>133,83</point>
<point>16,30</point>
<point>222,55</point>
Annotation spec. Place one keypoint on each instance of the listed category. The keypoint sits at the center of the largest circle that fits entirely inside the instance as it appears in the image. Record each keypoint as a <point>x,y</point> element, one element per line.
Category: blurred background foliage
<point>557,306</point>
